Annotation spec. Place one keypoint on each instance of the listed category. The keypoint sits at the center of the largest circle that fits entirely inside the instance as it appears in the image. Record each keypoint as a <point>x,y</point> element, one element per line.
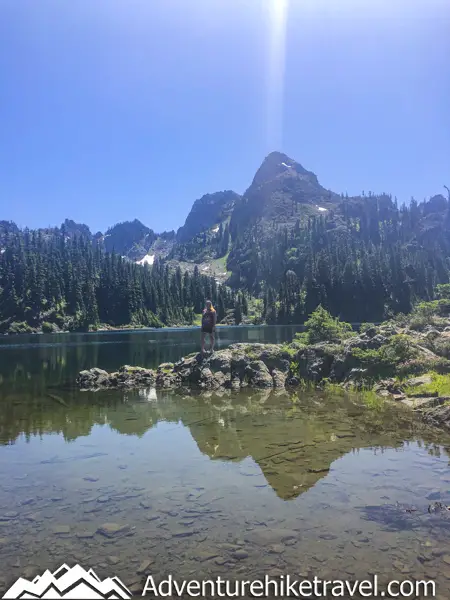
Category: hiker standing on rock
<point>209,318</point>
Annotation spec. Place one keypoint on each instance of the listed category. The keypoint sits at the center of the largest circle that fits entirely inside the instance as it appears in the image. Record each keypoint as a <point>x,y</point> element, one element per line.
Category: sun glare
<point>276,71</point>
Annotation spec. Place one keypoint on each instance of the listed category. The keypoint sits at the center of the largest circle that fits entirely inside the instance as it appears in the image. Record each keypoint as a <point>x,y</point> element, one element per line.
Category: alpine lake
<point>241,485</point>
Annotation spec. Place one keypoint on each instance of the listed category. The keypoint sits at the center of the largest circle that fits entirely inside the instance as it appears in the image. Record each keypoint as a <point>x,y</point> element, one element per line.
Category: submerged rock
<point>112,530</point>
<point>240,554</point>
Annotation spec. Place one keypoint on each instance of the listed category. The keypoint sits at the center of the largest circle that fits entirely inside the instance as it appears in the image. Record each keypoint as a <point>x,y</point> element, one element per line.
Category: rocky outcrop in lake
<point>240,365</point>
<point>357,362</point>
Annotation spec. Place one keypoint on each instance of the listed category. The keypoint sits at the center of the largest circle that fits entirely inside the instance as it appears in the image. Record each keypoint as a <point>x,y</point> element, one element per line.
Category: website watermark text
<point>287,587</point>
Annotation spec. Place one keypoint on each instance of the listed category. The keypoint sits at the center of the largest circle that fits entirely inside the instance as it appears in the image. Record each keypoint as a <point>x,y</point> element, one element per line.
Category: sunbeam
<point>276,72</point>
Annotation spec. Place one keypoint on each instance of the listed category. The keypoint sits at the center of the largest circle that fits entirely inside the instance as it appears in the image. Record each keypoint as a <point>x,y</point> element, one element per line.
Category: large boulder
<point>221,362</point>
<point>367,342</point>
<point>167,380</point>
<point>258,375</point>
<point>279,379</point>
<point>314,362</point>
<point>438,416</point>
<point>421,380</point>
<point>355,378</point>
<point>388,387</point>
<point>276,358</point>
<point>93,378</point>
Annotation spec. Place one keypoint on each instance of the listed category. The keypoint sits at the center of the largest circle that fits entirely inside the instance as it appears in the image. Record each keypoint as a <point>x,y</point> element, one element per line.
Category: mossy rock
<point>166,367</point>
<point>131,370</point>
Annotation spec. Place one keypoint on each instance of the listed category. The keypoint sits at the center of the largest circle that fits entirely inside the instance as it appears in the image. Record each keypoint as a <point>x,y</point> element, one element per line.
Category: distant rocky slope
<point>6,228</point>
<point>207,213</point>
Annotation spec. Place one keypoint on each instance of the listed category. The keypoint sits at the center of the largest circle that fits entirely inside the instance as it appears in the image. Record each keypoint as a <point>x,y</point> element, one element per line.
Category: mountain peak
<point>277,164</point>
<point>282,191</point>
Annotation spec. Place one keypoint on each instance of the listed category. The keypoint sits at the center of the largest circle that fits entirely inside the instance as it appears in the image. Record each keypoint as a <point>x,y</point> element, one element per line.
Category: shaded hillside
<point>205,235</point>
<point>131,238</point>
<point>207,213</point>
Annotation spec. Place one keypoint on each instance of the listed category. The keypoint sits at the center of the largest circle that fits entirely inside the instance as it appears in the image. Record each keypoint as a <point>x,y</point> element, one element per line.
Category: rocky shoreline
<point>273,366</point>
<point>238,366</point>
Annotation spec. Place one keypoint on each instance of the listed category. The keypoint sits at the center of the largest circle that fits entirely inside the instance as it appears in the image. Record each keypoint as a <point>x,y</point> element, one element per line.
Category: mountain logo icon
<point>68,582</point>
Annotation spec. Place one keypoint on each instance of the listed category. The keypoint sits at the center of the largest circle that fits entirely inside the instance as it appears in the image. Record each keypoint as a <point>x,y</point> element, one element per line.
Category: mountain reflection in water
<point>293,439</point>
<point>242,484</point>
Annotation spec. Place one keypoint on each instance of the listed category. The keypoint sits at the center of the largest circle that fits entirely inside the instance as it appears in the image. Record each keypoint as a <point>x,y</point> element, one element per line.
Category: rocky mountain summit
<point>282,191</point>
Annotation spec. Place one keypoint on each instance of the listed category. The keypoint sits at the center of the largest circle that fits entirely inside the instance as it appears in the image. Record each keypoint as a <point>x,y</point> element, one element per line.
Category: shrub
<point>20,327</point>
<point>402,348</point>
<point>294,368</point>
<point>419,366</point>
<point>291,350</point>
<point>323,327</point>
<point>441,347</point>
<point>49,327</point>
<point>429,313</point>
<point>401,320</point>
<point>444,307</point>
<point>422,315</point>
<point>372,359</point>
<point>385,360</point>
<point>365,327</point>
<point>440,385</point>
<point>443,291</point>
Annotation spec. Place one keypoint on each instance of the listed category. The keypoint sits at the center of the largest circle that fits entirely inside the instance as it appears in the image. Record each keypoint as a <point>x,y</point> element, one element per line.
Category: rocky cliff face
<point>131,238</point>
<point>72,229</point>
<point>207,213</point>
<point>6,228</point>
<point>282,191</point>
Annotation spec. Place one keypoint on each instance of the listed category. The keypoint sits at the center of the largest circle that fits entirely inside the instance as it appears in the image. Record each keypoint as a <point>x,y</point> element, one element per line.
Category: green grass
<point>440,385</point>
<point>371,399</point>
<point>333,388</point>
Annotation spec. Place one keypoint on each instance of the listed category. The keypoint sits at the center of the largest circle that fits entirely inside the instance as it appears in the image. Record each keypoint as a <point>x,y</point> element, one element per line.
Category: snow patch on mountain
<point>149,259</point>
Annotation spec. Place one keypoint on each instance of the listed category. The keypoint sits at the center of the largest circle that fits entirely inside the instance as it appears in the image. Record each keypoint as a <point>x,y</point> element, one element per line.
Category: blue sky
<point>120,109</point>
